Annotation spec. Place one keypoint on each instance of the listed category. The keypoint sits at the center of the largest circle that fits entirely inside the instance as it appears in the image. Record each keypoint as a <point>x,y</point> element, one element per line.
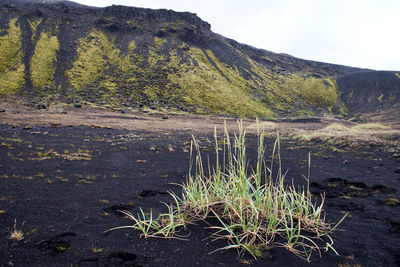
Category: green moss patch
<point>44,60</point>
<point>217,88</point>
<point>168,74</point>
<point>11,67</point>
<point>320,92</point>
<point>97,60</point>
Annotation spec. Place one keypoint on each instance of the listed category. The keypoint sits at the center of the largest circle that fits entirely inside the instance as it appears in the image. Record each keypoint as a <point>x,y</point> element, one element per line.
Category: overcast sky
<point>358,33</point>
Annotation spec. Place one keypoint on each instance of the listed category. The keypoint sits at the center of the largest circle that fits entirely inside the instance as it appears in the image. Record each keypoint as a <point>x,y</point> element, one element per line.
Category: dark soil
<point>65,185</point>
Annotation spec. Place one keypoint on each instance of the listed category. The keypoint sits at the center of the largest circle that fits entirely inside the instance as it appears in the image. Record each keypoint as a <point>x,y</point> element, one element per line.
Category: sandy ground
<point>63,178</point>
<point>17,114</point>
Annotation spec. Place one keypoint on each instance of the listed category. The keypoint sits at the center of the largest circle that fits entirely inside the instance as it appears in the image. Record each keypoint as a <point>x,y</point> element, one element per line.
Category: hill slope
<point>131,57</point>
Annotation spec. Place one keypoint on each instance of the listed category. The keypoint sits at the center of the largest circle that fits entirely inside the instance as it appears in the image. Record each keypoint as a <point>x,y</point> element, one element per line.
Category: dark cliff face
<point>134,57</point>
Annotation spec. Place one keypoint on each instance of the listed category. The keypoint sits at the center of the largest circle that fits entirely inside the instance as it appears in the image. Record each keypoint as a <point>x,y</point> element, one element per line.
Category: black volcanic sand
<point>67,184</point>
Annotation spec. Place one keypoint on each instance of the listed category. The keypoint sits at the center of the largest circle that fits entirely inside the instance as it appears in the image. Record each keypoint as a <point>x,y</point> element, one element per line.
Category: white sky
<point>358,33</point>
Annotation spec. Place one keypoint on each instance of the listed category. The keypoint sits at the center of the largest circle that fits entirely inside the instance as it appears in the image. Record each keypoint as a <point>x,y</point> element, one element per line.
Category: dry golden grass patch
<point>371,132</point>
<point>17,234</point>
<point>351,136</point>
<point>263,126</point>
<point>96,249</point>
<point>370,126</point>
<point>337,127</point>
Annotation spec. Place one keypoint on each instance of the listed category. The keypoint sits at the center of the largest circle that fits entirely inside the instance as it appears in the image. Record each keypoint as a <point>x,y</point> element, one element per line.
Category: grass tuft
<point>16,235</point>
<point>255,209</point>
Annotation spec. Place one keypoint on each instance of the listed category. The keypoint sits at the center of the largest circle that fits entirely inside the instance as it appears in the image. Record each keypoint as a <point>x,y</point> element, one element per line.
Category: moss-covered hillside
<point>132,58</point>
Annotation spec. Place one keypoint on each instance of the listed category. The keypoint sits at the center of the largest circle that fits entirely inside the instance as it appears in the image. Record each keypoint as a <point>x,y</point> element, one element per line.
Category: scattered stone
<point>41,106</point>
<point>63,112</point>
<point>76,105</point>
<point>153,107</point>
<point>164,117</point>
<point>2,110</point>
<point>125,111</point>
<point>397,170</point>
<point>150,193</point>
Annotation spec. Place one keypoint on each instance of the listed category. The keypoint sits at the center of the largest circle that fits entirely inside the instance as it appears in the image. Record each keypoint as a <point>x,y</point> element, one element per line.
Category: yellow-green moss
<point>89,64</point>
<point>34,23</point>
<point>96,54</point>
<point>398,75</point>
<point>11,67</point>
<point>284,90</point>
<point>320,92</point>
<point>195,78</point>
<point>159,42</point>
<point>226,92</point>
<point>44,60</point>
<point>280,91</point>
<point>155,54</point>
<point>132,46</point>
<point>343,111</point>
<point>222,89</point>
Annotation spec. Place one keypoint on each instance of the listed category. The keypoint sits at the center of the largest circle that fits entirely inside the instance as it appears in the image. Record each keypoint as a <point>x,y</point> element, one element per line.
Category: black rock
<point>164,117</point>
<point>41,106</point>
<point>139,104</point>
<point>397,170</point>
<point>2,110</point>
<point>153,107</point>
<point>77,105</point>
<point>63,112</point>
<point>125,111</point>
